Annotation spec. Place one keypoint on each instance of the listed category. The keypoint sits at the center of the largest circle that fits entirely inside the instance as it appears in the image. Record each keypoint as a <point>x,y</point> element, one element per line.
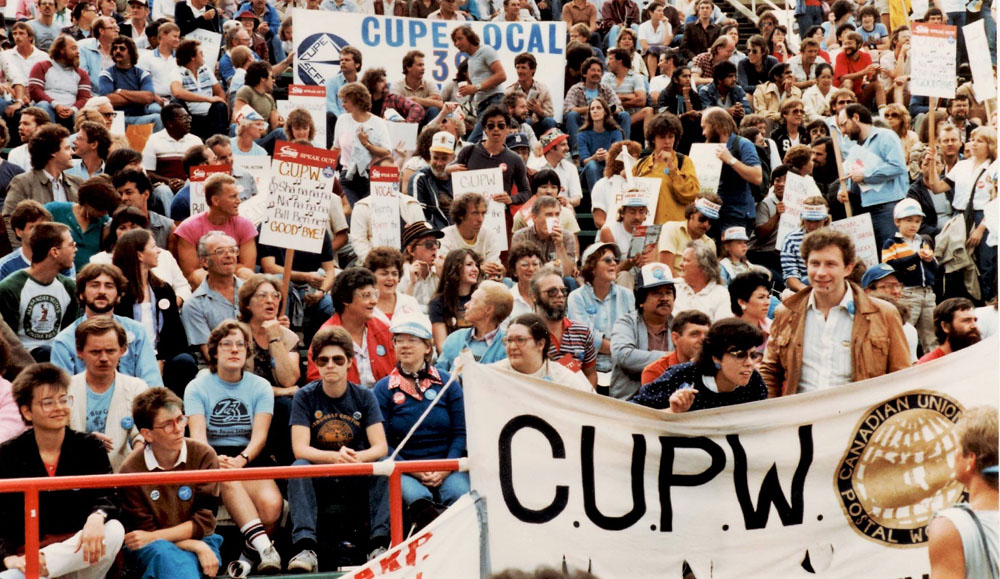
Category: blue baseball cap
<point>875,273</point>
<point>517,140</point>
<point>413,325</point>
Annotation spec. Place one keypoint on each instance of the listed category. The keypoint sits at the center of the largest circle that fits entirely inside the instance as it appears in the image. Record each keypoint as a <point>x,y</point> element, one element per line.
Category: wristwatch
<point>732,162</point>
<point>479,86</point>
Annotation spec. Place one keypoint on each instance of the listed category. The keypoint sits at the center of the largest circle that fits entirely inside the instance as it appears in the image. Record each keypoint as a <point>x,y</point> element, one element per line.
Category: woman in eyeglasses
<point>789,130</point>
<point>527,342</point>
<point>404,395</point>
<point>722,375</point>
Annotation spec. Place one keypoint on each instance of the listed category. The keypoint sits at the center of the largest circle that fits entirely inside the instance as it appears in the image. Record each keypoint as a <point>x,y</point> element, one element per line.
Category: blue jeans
<point>813,16</point>
<point>454,486</point>
<point>592,173</point>
<point>51,110</point>
<point>986,260</point>
<point>543,125</point>
<point>304,506</point>
<point>477,131</point>
<point>162,559</point>
<point>882,223</point>
<point>430,113</point>
<point>574,121</point>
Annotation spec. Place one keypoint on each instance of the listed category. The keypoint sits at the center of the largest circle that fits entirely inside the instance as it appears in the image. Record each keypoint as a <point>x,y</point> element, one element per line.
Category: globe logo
<point>318,58</point>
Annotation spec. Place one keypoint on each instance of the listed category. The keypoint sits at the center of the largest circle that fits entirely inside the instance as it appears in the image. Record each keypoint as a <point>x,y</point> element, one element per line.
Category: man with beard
<point>63,92</point>
<point>517,107</point>
<point>572,343</point>
<point>954,326</point>
<point>687,332</point>
<point>887,182</point>
<point>98,289</point>
<point>642,337</point>
<point>741,168</point>
<point>130,88</point>
<point>854,70</point>
<point>431,186</point>
<point>958,115</point>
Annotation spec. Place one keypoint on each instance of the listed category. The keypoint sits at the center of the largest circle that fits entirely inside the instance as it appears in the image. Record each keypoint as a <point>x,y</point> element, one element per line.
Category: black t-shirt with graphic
<point>335,422</point>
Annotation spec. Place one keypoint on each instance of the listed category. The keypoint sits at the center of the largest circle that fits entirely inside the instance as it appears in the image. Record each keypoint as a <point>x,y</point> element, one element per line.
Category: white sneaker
<point>304,562</point>
<point>270,560</point>
<point>377,552</point>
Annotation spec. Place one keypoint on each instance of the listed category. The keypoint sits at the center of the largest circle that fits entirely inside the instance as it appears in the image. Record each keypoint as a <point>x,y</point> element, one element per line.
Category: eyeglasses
<point>742,355</point>
<point>338,360</point>
<point>892,115</point>
<point>608,260</point>
<point>491,126</point>
<point>844,102</point>
<point>219,252</point>
<point>519,340</point>
<point>267,295</point>
<point>369,295</point>
<point>50,404</point>
<point>230,345</point>
<point>556,291</point>
<point>119,48</point>
<point>110,116</point>
<point>703,219</point>
<point>173,426</point>
<point>797,111</point>
<point>430,244</point>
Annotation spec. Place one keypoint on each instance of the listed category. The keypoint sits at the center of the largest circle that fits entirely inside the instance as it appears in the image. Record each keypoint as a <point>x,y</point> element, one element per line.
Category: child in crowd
<point>912,256</point>
<point>733,254</point>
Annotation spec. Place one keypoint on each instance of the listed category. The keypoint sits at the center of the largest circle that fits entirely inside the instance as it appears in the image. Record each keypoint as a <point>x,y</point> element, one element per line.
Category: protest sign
<point>862,158</point>
<point>384,204</point>
<point>983,80</point>
<point>797,189</point>
<point>384,40</point>
<point>312,99</point>
<point>299,201</point>
<point>453,545</point>
<point>919,8</point>
<point>835,483</point>
<point>118,124</point>
<point>486,182</point>
<point>198,175</point>
<point>933,53</point>
<point>405,133</point>
<point>707,166</point>
<point>211,45</point>
<point>859,229</point>
<point>258,167</point>
<point>650,189</point>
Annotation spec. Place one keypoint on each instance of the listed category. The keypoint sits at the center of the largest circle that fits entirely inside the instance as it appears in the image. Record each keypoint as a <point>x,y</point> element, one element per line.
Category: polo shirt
<point>163,70</point>
<point>87,242</point>
<point>165,155</point>
<point>425,90</point>
<point>206,309</point>
<point>200,84</point>
<point>133,78</point>
<point>630,84</point>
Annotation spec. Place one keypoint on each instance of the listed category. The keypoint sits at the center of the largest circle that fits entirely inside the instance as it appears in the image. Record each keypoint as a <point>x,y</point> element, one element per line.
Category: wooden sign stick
<point>286,278</point>
<point>840,172</point>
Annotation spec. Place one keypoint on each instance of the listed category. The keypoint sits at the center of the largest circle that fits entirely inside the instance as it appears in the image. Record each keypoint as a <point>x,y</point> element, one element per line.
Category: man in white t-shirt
<point>468,213</point>
<point>160,62</point>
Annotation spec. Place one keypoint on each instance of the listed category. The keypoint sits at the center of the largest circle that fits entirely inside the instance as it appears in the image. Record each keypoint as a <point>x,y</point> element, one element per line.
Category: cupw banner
<point>320,35</point>
<point>838,483</point>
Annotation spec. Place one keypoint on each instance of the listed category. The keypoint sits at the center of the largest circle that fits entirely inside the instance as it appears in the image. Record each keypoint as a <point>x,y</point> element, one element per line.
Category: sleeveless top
<point>622,238</point>
<point>978,564</point>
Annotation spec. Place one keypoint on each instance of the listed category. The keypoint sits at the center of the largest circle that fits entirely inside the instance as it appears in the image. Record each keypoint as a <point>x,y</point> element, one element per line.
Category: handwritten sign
<point>707,166</point>
<point>211,45</point>
<point>650,188</point>
<point>198,176</point>
<point>311,99</point>
<point>859,229</point>
<point>983,81</point>
<point>258,167</point>
<point>384,203</point>
<point>299,201</point>
<point>797,190</point>
<point>933,50</point>
<point>486,182</point>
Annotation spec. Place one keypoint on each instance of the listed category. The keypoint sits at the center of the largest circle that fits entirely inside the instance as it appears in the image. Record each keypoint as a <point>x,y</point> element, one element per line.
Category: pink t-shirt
<point>239,228</point>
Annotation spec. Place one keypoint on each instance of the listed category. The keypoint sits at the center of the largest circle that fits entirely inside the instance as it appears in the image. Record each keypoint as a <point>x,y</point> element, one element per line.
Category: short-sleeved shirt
<point>336,422</point>
<point>674,237</point>
<point>87,242</point>
<point>263,103</point>
<point>206,309</point>
<point>228,407</point>
<point>97,409</point>
<point>133,78</point>
<point>479,71</point>
<point>439,314</point>
<point>200,84</point>
<point>163,70</point>
<point>239,228</point>
<point>846,66</point>
<point>425,90</point>
<point>577,341</point>
<point>579,15</point>
<point>630,84</point>
<point>36,312</point>
<point>737,200</point>
<point>255,149</point>
<point>165,154</point>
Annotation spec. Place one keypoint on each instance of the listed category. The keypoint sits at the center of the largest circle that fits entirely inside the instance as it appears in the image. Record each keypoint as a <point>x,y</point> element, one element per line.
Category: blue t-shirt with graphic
<point>97,409</point>
<point>228,407</point>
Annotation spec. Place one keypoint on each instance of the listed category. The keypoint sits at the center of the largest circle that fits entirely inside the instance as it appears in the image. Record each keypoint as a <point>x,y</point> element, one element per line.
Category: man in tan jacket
<point>831,333</point>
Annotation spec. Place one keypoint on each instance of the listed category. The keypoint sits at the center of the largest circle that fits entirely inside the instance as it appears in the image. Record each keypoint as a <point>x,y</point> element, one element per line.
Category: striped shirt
<point>200,84</point>
<point>792,264</point>
<point>826,345</point>
<point>577,341</point>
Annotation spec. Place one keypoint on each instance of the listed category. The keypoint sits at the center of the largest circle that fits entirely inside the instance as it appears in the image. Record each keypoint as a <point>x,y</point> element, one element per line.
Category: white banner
<point>453,545</point>
<point>859,229</point>
<point>384,203</point>
<point>707,166</point>
<point>836,483</point>
<point>983,80</point>
<point>384,40</point>
<point>486,182</point>
<point>933,50</point>
<point>298,204</point>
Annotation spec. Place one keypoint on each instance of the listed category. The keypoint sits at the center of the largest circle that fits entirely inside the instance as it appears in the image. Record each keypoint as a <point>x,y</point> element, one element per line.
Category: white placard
<point>196,188</point>
<point>707,166</point>
<point>320,35</point>
<point>384,204</point>
<point>933,50</point>
<point>797,189</point>
<point>860,157</point>
<point>919,8</point>
<point>258,167</point>
<point>402,132</point>
<point>859,229</point>
<point>211,45</point>
<point>299,202</point>
<point>486,182</point>
<point>650,187</point>
<point>983,80</point>
<point>118,123</point>
<point>312,99</point>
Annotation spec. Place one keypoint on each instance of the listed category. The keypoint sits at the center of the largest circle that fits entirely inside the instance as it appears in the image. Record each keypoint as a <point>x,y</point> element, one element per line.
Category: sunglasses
<point>742,355</point>
<point>703,219</point>
<point>892,115</point>
<point>491,126</point>
<point>338,360</point>
<point>556,291</point>
<point>431,244</point>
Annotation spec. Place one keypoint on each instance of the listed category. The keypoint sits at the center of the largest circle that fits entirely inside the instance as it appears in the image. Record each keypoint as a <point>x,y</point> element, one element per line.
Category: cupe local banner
<point>319,36</point>
<point>838,483</point>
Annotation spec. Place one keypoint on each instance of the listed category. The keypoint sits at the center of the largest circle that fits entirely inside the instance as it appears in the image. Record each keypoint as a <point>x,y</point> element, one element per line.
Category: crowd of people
<point>141,336</point>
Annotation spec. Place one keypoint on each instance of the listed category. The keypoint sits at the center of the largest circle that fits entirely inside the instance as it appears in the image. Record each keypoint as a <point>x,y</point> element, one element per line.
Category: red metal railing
<point>32,486</point>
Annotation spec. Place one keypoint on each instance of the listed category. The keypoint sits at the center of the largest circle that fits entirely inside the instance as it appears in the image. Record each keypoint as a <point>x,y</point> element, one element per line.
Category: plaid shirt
<point>413,112</point>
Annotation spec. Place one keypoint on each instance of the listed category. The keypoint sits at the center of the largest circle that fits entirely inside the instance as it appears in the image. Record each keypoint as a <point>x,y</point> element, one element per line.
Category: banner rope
<point>420,420</point>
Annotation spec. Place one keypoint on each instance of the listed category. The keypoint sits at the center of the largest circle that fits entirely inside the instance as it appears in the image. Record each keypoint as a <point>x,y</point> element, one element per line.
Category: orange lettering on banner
<point>389,564</point>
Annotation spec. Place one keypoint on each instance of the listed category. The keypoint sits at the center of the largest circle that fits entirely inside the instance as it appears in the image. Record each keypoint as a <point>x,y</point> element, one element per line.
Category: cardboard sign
<point>384,204</point>
<point>859,229</point>
<point>649,186</point>
<point>405,133</point>
<point>258,167</point>
<point>211,45</point>
<point>797,189</point>
<point>198,176</point>
<point>311,99</point>
<point>707,166</point>
<point>486,182</point>
<point>983,80</point>
<point>933,50</point>
<point>299,201</point>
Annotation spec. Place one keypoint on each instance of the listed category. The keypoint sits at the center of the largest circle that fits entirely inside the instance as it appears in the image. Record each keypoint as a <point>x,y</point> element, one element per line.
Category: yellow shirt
<point>674,237</point>
<point>677,189</point>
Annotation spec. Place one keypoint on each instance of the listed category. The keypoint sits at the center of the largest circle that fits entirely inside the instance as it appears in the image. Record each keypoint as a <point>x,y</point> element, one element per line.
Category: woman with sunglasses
<point>722,375</point>
<point>898,119</point>
<point>404,395</point>
<point>788,131</point>
<point>527,342</point>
